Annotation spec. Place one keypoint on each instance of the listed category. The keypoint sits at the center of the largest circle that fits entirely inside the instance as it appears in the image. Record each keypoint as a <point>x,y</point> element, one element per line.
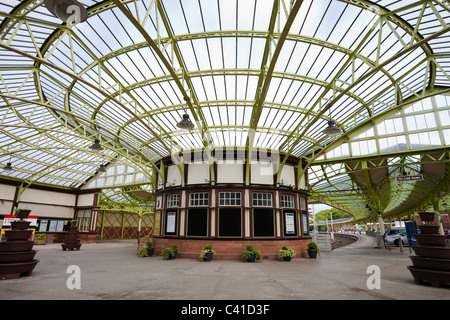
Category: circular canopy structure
<point>253,74</point>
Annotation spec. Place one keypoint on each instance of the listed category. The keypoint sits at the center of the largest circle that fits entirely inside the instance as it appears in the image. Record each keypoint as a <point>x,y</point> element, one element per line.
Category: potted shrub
<point>286,254</point>
<point>168,254</point>
<point>150,249</point>
<point>174,248</point>
<point>313,250</point>
<point>143,252</point>
<point>251,254</point>
<point>146,250</point>
<point>40,239</point>
<point>207,253</point>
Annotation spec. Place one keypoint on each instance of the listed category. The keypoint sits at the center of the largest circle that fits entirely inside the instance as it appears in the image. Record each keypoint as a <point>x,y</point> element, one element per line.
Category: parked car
<point>391,232</point>
<point>394,239</point>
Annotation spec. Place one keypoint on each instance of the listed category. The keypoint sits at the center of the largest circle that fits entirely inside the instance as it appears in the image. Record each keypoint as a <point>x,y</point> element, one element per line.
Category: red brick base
<point>227,249</point>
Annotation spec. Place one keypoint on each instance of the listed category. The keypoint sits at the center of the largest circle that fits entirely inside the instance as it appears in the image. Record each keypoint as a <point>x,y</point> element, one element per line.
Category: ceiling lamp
<point>101,168</point>
<point>8,167</point>
<point>331,130</point>
<point>186,123</point>
<point>69,11</point>
<point>96,147</point>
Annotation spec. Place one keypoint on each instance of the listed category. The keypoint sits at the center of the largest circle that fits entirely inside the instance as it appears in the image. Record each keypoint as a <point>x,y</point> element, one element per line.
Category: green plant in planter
<point>286,254</point>
<point>174,248</point>
<point>143,252</point>
<point>40,236</point>
<point>168,254</point>
<point>313,245</point>
<point>313,249</point>
<point>146,249</point>
<point>205,253</point>
<point>40,239</point>
<point>250,252</point>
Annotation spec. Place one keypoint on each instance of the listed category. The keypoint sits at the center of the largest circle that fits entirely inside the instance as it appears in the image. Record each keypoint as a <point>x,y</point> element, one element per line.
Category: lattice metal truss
<point>257,74</point>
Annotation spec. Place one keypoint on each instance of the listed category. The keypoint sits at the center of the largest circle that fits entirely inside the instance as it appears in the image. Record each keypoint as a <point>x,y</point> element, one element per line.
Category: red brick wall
<point>227,249</point>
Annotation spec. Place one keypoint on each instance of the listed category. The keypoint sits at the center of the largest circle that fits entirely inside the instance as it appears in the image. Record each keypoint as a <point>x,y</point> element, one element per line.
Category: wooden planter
<point>432,252</point>
<point>435,277</point>
<point>20,225</point>
<point>430,263</point>
<point>427,229</point>
<point>426,216</point>
<point>72,239</point>
<point>16,246</point>
<point>17,256</point>
<point>434,240</point>
<point>16,270</point>
<point>23,214</point>
<point>14,235</point>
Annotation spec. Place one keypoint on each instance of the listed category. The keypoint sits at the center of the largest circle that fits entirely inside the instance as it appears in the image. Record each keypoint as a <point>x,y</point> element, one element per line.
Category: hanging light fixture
<point>69,11</point>
<point>101,168</point>
<point>331,130</point>
<point>186,122</point>
<point>96,147</point>
<point>8,166</point>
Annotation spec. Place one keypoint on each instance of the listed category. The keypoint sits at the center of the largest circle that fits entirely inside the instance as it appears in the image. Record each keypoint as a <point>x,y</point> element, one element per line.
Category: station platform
<point>111,270</point>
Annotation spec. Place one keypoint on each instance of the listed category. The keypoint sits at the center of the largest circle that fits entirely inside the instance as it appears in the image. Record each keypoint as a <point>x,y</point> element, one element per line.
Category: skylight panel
<point>209,15</point>
<point>331,18</point>
<point>227,15</point>
<point>246,14</point>
<point>243,52</point>
<point>200,58</point>
<point>191,12</point>
<point>229,53</point>
<point>273,89</point>
<point>152,96</point>
<point>176,17</point>
<point>256,53</point>
<point>262,14</point>
<point>188,55</point>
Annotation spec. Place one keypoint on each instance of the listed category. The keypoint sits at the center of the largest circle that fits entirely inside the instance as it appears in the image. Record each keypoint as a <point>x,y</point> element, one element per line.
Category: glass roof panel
<point>281,68</point>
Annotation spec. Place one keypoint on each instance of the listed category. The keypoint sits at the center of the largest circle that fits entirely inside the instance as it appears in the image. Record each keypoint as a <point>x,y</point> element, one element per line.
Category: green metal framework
<point>257,74</point>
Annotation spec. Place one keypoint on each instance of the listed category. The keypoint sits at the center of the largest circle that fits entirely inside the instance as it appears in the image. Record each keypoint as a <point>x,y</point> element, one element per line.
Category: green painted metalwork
<point>258,74</point>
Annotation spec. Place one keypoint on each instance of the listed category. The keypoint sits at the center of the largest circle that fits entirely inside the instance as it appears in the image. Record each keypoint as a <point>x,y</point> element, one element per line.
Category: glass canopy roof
<point>256,74</point>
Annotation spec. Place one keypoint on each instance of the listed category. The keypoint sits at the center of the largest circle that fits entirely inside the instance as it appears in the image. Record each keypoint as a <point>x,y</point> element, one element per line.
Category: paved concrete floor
<point>112,270</point>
